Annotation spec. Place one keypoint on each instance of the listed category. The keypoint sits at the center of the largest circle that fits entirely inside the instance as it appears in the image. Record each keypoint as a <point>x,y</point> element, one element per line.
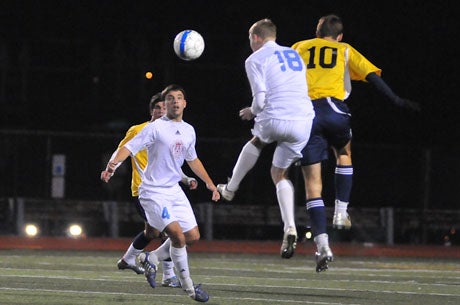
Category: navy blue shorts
<point>331,127</point>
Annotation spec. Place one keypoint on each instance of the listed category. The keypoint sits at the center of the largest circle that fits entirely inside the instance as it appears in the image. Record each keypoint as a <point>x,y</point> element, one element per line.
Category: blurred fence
<point>385,225</point>
<point>65,167</point>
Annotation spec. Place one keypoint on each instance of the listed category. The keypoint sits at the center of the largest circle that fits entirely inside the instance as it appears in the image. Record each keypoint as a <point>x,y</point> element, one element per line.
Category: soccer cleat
<point>225,193</point>
<point>341,220</point>
<point>122,265</point>
<point>289,243</point>
<point>323,257</point>
<point>150,268</point>
<point>199,295</point>
<point>172,282</point>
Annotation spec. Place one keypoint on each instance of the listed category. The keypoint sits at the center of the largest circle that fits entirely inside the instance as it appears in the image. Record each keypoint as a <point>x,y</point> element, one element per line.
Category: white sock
<point>246,161</point>
<point>340,206</point>
<point>131,254</point>
<point>285,195</point>
<point>321,241</point>
<point>162,252</point>
<point>168,270</point>
<point>180,259</point>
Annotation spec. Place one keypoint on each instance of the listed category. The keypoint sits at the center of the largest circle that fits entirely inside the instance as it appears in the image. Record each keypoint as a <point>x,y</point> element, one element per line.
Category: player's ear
<point>340,37</point>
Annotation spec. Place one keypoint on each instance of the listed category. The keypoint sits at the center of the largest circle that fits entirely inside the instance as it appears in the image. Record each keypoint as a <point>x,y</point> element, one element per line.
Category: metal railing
<point>114,219</point>
<point>404,177</point>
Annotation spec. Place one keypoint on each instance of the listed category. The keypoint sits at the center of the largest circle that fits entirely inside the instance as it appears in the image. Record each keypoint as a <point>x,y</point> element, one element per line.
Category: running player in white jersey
<point>138,164</point>
<point>283,114</point>
<point>169,141</point>
<point>331,64</point>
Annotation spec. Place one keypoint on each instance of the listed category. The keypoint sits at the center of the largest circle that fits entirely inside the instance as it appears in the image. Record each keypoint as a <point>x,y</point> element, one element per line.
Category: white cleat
<point>225,193</point>
<point>150,262</point>
<point>289,243</point>
<point>341,221</point>
<point>323,257</point>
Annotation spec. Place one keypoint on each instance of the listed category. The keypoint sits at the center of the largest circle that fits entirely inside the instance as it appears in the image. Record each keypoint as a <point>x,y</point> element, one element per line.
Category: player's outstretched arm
<point>119,156</point>
<point>246,114</point>
<point>383,88</point>
<point>189,181</point>
<point>105,174</point>
<point>197,167</point>
<point>408,104</point>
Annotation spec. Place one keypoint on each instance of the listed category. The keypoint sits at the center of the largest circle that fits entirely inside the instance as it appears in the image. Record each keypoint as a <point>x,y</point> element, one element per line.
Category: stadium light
<point>75,231</point>
<point>308,233</point>
<point>148,75</point>
<point>31,230</point>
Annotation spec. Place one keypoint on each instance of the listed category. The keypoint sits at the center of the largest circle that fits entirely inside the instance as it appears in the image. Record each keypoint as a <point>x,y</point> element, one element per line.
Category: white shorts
<point>291,137</point>
<point>161,208</point>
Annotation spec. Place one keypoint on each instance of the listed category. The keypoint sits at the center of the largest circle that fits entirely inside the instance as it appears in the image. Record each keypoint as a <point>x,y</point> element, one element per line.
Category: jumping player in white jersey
<point>283,114</point>
<point>169,141</point>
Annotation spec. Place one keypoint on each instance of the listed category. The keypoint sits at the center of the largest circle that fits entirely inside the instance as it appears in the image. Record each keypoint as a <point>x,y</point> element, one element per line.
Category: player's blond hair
<point>264,28</point>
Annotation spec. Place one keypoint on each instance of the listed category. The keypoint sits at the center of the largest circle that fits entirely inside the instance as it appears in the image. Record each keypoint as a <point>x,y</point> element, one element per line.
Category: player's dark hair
<point>331,26</point>
<point>155,99</point>
<point>172,87</point>
<point>264,28</point>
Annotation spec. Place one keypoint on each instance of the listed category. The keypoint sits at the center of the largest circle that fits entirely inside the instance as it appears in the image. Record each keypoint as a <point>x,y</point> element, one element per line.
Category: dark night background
<point>72,82</point>
<point>78,67</point>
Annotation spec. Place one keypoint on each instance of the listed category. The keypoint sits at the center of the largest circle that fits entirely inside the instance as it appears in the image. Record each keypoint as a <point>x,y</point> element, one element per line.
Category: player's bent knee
<point>192,236</point>
<point>151,233</point>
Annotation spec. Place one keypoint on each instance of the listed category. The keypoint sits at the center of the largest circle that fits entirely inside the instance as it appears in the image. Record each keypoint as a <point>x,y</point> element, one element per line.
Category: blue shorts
<point>331,127</point>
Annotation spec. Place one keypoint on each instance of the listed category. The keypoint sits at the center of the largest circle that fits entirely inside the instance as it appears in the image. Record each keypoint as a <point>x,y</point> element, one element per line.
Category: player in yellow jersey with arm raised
<point>331,65</point>
<point>138,164</point>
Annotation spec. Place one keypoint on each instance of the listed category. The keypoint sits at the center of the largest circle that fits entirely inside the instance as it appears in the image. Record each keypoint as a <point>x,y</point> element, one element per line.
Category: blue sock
<point>343,182</point>
<point>317,212</point>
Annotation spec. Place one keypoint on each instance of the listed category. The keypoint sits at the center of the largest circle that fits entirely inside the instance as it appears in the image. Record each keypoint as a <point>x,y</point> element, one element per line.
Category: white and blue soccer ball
<point>188,45</point>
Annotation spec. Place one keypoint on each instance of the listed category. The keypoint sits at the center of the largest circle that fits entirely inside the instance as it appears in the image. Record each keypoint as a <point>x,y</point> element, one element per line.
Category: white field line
<point>212,282</point>
<point>264,300</point>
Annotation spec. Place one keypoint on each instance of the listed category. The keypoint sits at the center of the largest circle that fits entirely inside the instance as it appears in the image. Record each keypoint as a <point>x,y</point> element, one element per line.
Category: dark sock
<point>140,241</point>
<point>317,212</point>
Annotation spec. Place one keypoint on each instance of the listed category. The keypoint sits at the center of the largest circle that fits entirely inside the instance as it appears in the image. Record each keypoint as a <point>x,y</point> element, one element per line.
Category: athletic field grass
<point>91,278</point>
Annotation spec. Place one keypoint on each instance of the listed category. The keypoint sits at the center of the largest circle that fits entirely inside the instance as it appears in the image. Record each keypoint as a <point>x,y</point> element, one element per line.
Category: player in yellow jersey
<point>331,65</point>
<point>138,163</point>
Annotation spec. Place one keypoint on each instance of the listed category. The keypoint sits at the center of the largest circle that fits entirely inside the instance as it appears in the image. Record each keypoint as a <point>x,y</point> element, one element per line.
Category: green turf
<point>85,277</point>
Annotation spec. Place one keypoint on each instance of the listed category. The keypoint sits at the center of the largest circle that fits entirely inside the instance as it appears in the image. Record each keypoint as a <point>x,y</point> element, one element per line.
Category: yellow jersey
<point>138,161</point>
<point>330,67</point>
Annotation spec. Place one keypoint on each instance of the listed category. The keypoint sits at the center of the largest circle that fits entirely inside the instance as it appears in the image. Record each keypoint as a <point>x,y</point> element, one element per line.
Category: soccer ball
<point>188,45</point>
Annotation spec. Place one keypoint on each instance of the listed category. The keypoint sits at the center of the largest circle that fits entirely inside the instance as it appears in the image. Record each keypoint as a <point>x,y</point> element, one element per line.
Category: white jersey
<point>279,72</point>
<point>168,144</point>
